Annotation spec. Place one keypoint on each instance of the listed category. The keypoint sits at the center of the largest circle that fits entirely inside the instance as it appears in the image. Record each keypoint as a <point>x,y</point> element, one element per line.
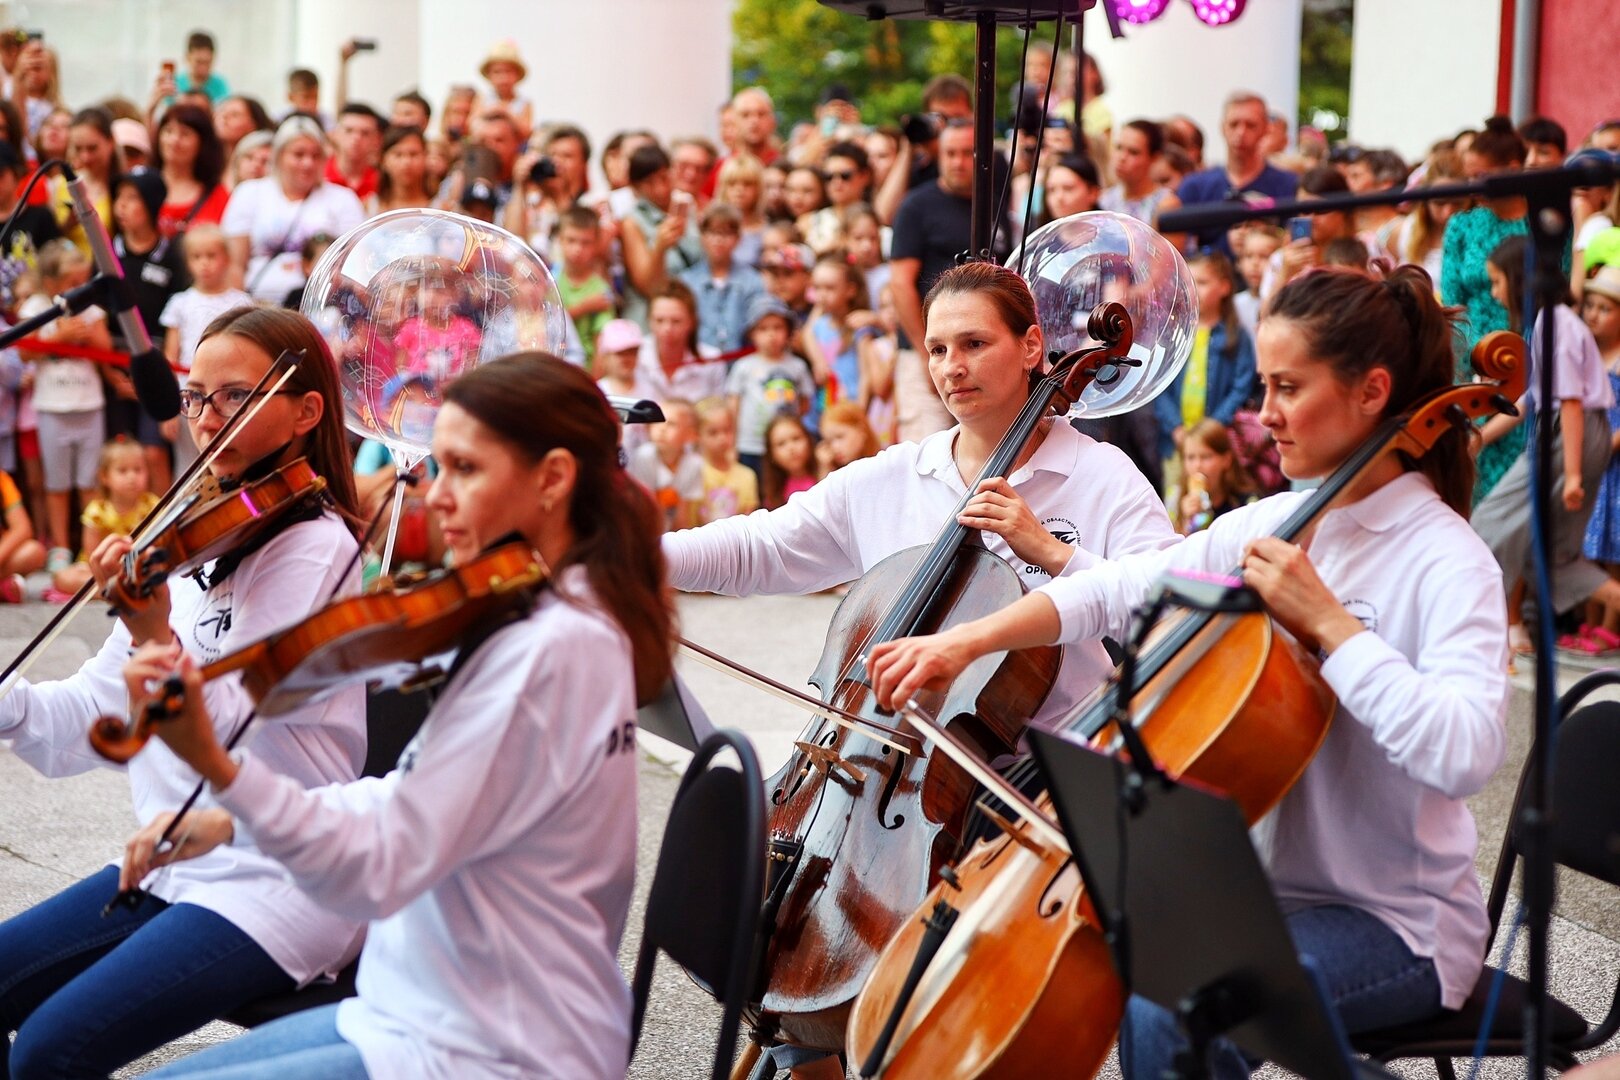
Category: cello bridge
<point>829,761</point>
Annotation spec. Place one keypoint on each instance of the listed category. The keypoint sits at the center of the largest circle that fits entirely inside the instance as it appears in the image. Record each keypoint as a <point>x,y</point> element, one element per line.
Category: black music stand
<point>676,715</point>
<point>1197,929</point>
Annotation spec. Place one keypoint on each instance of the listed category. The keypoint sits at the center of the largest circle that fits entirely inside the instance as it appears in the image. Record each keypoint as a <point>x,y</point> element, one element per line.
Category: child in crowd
<point>724,288</point>
<point>156,272</point>
<point>768,382</point>
<point>582,286</point>
<point>845,437</point>
<point>504,69</point>
<point>67,395</point>
<point>1215,479</point>
<point>123,499</point>
<point>20,553</point>
<point>840,312</point>
<point>618,347</point>
<point>729,487</point>
<point>787,276</point>
<point>1600,308</point>
<point>304,96</point>
<point>790,460</point>
<point>866,247</point>
<point>1255,248</point>
<point>738,186</point>
<point>309,253</point>
<point>668,466</point>
<point>1219,378</point>
<point>188,313</point>
<point>1581,447</point>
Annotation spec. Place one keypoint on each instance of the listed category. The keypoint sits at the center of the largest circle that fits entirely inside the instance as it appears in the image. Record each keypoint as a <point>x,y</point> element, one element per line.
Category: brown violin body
<point>876,825</point>
<point>380,637</point>
<point>1024,978</point>
<point>202,528</point>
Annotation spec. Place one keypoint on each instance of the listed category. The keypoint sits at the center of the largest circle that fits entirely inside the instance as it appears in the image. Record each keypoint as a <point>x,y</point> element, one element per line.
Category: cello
<point>1019,975</point>
<point>860,824</point>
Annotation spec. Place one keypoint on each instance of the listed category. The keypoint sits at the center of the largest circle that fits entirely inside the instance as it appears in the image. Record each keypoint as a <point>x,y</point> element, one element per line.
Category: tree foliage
<point>796,48</point>
<point>1324,61</point>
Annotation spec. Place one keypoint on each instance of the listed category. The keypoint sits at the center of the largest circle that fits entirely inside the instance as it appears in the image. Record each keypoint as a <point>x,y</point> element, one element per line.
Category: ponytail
<point>1355,322</point>
<point>615,523</point>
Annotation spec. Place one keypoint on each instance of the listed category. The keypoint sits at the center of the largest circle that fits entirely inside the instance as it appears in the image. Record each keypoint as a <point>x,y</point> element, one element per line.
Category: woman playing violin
<point>496,862</point>
<point>1372,852</point>
<point>87,994</point>
<point>1068,501</point>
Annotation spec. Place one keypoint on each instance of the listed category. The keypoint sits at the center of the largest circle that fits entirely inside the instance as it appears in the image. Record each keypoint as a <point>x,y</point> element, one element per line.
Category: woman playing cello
<point>1372,852</point>
<point>496,862</point>
<point>86,994</point>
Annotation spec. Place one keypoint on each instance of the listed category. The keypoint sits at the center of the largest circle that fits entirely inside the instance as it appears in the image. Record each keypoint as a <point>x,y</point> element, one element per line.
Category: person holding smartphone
<point>1308,236</point>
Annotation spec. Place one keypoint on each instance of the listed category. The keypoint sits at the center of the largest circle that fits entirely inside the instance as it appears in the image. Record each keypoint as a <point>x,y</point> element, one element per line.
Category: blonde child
<point>67,395</point>
<point>790,460</point>
<point>1219,378</point>
<point>1255,248</point>
<point>668,467</point>
<point>504,69</point>
<point>878,347</point>
<point>1215,479</point>
<point>584,290</point>
<point>122,501</point>
<point>840,309</point>
<point>845,437</point>
<point>729,487</point>
<point>187,314</point>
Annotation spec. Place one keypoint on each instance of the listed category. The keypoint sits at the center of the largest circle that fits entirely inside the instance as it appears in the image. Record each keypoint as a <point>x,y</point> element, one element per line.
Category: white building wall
<point>1177,64</point>
<point>1422,70</point>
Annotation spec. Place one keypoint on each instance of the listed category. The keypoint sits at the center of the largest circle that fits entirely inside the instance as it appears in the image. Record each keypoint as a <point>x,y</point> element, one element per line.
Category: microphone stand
<point>1546,193</point>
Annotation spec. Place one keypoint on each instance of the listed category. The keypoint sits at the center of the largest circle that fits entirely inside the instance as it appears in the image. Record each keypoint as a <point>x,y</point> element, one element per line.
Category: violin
<point>860,824</point>
<point>210,523</point>
<point>381,637</point>
<point>1022,976</point>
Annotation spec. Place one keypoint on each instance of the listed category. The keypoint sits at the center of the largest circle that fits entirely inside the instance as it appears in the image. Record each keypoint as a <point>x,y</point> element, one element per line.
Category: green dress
<point>1470,238</point>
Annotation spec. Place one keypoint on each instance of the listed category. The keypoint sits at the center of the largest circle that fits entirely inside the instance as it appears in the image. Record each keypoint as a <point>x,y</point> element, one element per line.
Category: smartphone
<point>1299,228</point>
<point>829,125</point>
<point>365,44</point>
<point>35,35</point>
<point>681,202</point>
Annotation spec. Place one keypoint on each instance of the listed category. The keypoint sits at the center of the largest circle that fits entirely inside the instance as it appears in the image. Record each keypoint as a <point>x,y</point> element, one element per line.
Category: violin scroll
<point>118,741</point>
<point>1500,358</point>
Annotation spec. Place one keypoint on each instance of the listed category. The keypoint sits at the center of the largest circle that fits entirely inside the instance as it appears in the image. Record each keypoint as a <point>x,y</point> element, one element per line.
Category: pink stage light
<point>1139,11</point>
<point>1218,12</point>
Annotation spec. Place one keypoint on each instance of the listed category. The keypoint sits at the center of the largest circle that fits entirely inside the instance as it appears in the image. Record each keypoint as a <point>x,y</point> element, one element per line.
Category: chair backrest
<point>703,909</point>
<point>392,720</point>
<point>1585,798</point>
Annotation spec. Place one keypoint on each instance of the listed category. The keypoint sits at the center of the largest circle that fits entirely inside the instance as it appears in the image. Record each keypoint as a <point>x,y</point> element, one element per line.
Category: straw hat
<point>1605,282</point>
<point>504,52</point>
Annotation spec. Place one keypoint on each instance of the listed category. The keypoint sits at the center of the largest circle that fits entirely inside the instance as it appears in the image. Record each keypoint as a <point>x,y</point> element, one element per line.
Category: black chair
<point>1584,833</point>
<point>392,720</point>
<point>704,906</point>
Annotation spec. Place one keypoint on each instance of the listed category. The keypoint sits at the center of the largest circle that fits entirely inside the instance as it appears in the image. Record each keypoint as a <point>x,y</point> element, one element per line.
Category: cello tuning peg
<point>1503,405</point>
<point>1457,418</point>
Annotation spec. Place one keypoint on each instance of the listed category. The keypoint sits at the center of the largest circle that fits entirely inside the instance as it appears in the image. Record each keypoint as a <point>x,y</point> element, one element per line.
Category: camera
<point>543,170</point>
<point>920,128</point>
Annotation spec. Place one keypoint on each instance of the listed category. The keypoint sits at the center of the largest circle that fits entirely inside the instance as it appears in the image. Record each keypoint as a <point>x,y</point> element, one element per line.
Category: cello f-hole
<point>889,787</point>
<point>1051,904</point>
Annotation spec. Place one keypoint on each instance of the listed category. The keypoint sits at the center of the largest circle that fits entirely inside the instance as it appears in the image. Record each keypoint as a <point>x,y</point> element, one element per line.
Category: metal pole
<point>1526,59</point>
<point>984,136</point>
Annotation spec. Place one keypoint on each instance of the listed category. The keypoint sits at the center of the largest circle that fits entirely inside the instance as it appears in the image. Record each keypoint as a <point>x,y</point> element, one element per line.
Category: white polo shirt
<point>1085,492</point>
<point>1378,820</point>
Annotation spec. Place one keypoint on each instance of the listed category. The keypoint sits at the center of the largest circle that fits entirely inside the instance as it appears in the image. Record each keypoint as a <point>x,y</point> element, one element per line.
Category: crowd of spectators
<point>765,287</point>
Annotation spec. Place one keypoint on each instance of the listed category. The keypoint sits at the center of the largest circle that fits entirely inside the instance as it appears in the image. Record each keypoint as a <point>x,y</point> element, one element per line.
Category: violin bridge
<point>829,762</point>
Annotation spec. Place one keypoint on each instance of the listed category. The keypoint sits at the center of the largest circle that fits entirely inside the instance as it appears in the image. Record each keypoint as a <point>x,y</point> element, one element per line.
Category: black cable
<point>1040,141</point>
<point>1006,184</point>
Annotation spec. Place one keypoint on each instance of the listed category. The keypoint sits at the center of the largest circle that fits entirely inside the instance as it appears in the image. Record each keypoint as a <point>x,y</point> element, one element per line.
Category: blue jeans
<point>88,995</point>
<point>1372,978</point>
<point>306,1045</point>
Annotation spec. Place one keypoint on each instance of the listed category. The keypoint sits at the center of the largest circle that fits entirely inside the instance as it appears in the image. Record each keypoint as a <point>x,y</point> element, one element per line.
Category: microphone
<point>155,385</point>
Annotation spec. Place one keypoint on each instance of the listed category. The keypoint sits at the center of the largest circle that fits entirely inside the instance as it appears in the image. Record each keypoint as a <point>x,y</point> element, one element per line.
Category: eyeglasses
<point>227,401</point>
<point>846,177</point>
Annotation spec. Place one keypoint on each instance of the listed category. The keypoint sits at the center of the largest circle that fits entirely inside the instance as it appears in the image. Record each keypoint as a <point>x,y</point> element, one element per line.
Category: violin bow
<point>20,664</point>
<point>888,736</point>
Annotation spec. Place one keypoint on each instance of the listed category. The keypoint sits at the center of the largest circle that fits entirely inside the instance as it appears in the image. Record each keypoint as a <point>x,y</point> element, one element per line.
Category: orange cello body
<point>1024,986</point>
<point>872,846</point>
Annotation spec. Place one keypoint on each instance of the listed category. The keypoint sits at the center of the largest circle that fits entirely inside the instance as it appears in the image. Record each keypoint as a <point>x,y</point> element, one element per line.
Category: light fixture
<point>1139,11</point>
<point>1218,12</point>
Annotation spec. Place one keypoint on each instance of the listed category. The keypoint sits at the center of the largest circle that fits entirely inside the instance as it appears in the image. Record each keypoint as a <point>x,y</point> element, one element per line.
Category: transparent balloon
<point>1078,262</point>
<point>413,298</point>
